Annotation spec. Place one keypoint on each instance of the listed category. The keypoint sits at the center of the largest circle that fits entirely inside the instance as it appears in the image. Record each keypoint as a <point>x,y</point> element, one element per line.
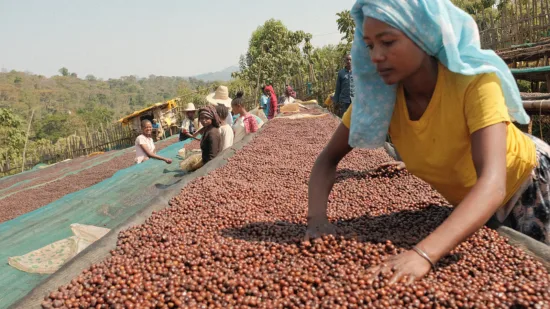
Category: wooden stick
<point>26,141</point>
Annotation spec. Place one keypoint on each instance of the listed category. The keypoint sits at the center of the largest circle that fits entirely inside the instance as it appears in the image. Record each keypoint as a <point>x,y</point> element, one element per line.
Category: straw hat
<point>220,96</point>
<point>190,108</point>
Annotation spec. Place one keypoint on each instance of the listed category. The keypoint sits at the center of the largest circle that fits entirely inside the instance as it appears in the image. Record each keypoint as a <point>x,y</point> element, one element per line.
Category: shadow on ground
<point>178,173</point>
<point>345,174</point>
<point>405,229</point>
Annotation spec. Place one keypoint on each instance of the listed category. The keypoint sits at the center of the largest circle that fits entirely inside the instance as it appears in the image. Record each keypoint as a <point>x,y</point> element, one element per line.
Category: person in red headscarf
<point>268,90</point>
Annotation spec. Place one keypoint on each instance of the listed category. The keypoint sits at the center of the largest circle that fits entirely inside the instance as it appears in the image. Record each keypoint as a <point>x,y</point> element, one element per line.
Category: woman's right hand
<point>168,161</point>
<point>319,226</point>
<point>399,165</point>
<point>321,180</point>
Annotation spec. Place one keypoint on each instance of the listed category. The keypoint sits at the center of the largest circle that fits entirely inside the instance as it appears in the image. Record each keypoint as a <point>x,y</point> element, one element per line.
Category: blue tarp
<point>106,204</point>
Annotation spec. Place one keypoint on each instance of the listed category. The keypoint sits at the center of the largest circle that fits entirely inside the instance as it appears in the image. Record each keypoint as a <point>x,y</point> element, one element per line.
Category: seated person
<point>210,141</point>
<point>189,125</point>
<point>289,96</point>
<point>145,147</point>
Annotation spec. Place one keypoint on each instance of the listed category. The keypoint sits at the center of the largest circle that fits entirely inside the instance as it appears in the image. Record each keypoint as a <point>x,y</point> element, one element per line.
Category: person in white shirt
<point>287,100</point>
<point>226,132</point>
<point>190,125</point>
<point>145,147</point>
<point>289,97</point>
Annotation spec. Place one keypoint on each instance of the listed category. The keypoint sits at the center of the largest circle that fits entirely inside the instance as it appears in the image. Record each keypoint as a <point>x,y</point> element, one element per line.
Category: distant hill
<point>223,75</point>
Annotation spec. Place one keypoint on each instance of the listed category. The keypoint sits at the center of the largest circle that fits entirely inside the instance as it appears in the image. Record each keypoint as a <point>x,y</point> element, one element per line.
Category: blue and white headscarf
<point>441,30</point>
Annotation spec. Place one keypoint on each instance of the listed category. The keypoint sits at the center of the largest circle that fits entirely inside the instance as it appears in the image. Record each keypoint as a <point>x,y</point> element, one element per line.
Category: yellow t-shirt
<point>437,147</point>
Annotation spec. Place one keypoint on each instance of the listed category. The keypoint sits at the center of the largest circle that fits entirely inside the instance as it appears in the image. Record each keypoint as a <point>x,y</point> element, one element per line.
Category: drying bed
<point>234,239</point>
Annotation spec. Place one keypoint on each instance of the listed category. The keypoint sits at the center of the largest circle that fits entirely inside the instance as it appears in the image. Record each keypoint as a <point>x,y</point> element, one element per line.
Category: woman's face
<point>236,109</point>
<point>147,129</point>
<point>395,55</point>
<point>205,121</point>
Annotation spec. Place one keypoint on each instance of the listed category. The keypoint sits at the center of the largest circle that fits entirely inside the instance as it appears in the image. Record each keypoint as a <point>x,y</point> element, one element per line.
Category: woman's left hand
<point>406,266</point>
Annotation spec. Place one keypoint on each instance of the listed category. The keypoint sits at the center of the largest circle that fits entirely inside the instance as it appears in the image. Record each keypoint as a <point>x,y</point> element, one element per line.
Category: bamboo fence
<point>514,23</point>
<point>104,138</point>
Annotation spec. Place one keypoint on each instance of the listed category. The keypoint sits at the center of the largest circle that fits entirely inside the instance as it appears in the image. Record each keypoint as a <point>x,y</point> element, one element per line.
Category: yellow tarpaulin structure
<point>168,105</point>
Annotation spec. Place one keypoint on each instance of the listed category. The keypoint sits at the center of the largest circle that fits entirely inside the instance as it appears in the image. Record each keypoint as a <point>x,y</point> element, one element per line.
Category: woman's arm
<point>200,131</point>
<point>322,179</point>
<point>187,134</point>
<point>485,197</point>
<point>153,155</point>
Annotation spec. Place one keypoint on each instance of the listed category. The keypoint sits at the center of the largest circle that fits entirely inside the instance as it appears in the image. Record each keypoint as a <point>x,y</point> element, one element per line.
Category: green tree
<point>478,8</point>
<point>474,7</point>
<point>91,78</point>
<point>12,135</point>
<point>273,54</point>
<point>94,115</point>
<point>59,125</point>
<point>308,48</point>
<point>195,96</point>
<point>346,25</point>
<point>64,71</point>
<point>326,57</point>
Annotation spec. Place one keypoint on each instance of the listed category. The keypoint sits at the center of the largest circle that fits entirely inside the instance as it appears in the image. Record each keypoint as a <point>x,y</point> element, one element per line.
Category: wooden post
<point>26,141</point>
<point>102,136</point>
<point>521,34</point>
<point>87,141</point>
<point>258,82</point>
<point>547,20</point>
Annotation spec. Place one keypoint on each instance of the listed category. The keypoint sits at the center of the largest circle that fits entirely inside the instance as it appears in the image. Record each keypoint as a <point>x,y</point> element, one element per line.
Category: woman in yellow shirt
<point>448,106</point>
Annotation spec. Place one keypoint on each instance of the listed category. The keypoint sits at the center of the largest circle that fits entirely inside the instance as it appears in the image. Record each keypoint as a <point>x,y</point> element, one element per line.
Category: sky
<point>113,38</point>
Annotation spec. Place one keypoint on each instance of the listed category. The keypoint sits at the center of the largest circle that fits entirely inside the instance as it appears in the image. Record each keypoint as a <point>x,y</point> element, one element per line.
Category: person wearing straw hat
<point>189,125</point>
<point>449,108</point>
<point>221,96</point>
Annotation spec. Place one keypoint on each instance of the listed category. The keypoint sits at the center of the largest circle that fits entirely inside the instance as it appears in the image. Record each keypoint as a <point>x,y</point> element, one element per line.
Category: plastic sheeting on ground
<point>48,259</point>
<point>106,204</point>
<point>19,180</point>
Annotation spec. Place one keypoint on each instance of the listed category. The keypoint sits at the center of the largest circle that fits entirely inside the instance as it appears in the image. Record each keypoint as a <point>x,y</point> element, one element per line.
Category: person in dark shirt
<point>210,141</point>
<point>343,96</point>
